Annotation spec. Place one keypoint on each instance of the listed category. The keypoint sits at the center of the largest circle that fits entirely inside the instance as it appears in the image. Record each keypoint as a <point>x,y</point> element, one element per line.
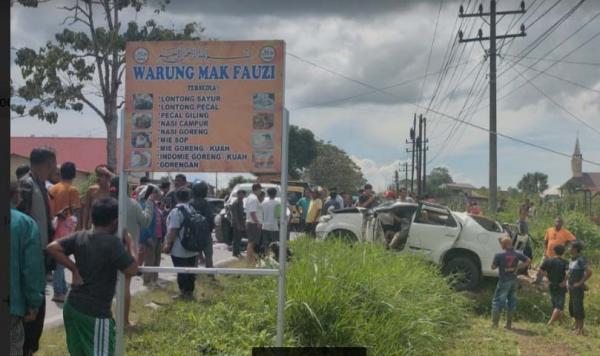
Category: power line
<point>559,45</point>
<point>437,19</point>
<point>538,41</point>
<point>556,77</point>
<point>553,64</point>
<point>450,116</point>
<point>408,81</point>
<point>597,64</point>
<point>556,103</point>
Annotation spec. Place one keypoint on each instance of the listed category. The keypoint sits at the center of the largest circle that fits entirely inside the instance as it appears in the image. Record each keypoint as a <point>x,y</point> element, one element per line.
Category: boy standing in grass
<point>579,273</point>
<point>99,254</point>
<point>555,269</point>
<point>506,291</point>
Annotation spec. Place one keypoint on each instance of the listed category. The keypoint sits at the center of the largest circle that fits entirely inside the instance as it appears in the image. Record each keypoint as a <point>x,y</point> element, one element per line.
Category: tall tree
<point>87,59</point>
<point>302,150</point>
<point>334,168</point>
<point>533,183</point>
<point>436,180</point>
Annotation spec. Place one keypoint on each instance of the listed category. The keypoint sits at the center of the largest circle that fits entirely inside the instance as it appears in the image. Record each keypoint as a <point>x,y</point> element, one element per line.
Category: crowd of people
<point>51,223</point>
<point>318,202</point>
<point>563,276</point>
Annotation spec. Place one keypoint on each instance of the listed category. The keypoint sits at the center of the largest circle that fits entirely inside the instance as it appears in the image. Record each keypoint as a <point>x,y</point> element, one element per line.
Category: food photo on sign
<point>263,101</point>
<point>263,121</point>
<point>141,140</point>
<point>143,101</point>
<point>262,141</point>
<point>142,120</point>
<point>141,159</point>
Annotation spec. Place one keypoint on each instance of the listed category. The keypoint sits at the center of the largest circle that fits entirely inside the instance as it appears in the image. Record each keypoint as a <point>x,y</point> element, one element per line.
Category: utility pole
<point>491,53</point>
<point>425,141</point>
<point>397,181</point>
<point>413,151</point>
<point>419,156</point>
<point>404,169</point>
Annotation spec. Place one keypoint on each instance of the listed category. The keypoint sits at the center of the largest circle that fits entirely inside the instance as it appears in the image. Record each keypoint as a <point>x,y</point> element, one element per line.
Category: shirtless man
<point>97,191</point>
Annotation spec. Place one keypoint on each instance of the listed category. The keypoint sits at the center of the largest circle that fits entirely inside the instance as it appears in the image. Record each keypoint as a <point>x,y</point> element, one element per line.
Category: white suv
<point>460,243</point>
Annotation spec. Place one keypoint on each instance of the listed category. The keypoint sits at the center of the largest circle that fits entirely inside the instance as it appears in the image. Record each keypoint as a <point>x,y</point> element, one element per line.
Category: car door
<point>434,229</point>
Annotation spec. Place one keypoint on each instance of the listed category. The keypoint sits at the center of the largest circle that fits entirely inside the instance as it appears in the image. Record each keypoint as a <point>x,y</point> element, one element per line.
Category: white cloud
<point>387,47</point>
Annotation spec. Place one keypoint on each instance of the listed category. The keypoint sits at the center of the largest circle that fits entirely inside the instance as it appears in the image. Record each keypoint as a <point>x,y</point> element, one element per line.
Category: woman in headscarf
<point>151,237</point>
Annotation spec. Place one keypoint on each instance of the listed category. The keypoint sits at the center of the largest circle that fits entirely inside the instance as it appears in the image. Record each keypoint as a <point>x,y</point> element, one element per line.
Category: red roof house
<point>85,152</point>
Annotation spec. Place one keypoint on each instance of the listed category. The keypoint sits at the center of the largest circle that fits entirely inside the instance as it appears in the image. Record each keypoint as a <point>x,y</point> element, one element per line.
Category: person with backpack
<point>201,206</point>
<point>179,229</point>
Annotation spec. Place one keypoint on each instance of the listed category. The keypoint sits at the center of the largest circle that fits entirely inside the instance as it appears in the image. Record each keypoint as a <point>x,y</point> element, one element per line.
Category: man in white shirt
<point>271,212</point>
<point>179,255</point>
<point>253,222</point>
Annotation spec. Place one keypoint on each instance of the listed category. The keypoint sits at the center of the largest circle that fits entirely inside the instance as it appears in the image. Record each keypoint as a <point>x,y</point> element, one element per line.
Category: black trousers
<point>185,281</point>
<point>207,250</point>
<point>237,241</point>
<point>33,330</point>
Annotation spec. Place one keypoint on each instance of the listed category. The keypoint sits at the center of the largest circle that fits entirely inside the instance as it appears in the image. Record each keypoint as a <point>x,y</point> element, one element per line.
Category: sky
<point>340,50</point>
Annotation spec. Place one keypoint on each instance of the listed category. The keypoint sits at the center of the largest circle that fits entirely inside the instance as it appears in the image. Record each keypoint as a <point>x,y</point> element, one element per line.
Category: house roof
<point>466,186</point>
<point>85,152</point>
<point>589,181</point>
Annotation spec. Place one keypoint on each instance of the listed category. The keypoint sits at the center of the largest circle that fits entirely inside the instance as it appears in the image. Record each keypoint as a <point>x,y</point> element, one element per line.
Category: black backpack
<point>196,230</point>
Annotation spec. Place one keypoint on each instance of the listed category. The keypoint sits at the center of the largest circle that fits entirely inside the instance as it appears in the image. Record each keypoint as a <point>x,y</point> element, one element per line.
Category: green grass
<point>338,295</point>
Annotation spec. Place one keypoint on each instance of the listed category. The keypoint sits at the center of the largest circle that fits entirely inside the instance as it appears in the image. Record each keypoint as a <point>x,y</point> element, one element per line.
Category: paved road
<point>54,310</point>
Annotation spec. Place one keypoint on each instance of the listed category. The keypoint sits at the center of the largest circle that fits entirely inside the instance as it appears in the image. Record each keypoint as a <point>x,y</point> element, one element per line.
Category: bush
<point>337,295</point>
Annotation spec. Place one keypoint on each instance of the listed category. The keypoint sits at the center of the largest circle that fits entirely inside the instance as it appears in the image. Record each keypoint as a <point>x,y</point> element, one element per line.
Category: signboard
<point>204,106</point>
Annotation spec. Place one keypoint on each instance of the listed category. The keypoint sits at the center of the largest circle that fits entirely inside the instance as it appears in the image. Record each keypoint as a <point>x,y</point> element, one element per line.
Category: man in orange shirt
<point>65,207</point>
<point>556,235</point>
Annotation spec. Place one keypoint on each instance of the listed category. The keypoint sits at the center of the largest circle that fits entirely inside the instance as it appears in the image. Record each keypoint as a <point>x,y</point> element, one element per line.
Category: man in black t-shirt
<point>99,254</point>
<point>199,203</point>
<point>579,273</point>
<point>555,269</point>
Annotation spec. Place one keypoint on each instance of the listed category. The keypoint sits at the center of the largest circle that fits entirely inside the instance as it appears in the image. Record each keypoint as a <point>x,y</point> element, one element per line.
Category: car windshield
<point>489,225</point>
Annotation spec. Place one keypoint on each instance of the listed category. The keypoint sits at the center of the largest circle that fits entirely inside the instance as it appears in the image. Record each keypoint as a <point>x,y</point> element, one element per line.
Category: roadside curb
<point>57,320</point>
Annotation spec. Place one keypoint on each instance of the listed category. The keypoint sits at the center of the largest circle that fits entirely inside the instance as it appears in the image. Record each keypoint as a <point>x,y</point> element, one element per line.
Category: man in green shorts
<point>99,253</point>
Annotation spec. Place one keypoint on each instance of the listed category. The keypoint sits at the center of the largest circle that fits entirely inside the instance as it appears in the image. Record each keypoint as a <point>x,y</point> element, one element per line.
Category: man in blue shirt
<point>579,273</point>
<point>27,272</point>
<point>304,203</point>
<point>506,291</point>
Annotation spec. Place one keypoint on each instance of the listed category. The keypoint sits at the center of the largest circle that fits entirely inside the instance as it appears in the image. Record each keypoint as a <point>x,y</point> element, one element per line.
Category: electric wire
<point>481,128</point>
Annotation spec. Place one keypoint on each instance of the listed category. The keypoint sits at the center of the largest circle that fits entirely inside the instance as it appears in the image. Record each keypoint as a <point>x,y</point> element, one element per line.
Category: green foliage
<point>334,168</point>
<point>336,295</point>
<point>435,181</point>
<point>238,180</point>
<point>302,150</point>
<point>365,295</point>
<point>66,73</point>
<point>533,183</point>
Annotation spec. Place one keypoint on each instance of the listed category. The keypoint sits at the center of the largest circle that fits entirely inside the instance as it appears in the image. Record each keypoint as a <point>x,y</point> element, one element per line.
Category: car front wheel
<point>463,272</point>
